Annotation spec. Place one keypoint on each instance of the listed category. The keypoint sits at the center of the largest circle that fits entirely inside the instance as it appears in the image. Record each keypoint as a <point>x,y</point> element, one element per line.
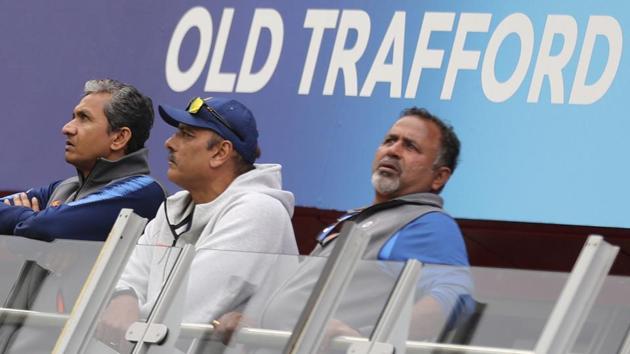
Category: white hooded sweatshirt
<point>253,216</point>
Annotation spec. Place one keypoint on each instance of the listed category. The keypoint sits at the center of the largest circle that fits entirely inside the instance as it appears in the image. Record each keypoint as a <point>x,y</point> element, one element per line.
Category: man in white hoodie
<point>228,203</point>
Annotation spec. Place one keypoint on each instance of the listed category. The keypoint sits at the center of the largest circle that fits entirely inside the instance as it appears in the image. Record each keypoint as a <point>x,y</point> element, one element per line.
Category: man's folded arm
<point>11,215</point>
<point>89,218</point>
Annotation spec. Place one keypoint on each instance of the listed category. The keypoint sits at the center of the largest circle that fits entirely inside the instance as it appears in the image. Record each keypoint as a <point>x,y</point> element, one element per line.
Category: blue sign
<point>535,91</point>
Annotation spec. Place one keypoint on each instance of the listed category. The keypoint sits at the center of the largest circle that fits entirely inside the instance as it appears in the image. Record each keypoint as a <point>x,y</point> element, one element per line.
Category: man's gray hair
<point>240,164</point>
<point>127,108</point>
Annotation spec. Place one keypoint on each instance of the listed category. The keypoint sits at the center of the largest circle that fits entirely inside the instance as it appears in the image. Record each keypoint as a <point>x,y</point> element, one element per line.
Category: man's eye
<point>411,146</point>
<point>388,141</point>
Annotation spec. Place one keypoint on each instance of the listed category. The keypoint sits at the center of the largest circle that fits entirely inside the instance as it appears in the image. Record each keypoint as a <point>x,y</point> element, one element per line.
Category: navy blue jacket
<point>86,208</point>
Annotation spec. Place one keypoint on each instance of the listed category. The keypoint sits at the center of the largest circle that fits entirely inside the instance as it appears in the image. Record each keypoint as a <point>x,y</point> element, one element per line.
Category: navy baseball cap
<point>226,117</point>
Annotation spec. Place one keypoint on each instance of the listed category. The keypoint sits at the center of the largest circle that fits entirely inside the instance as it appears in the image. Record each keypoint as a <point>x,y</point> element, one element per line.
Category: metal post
<point>100,282</point>
<point>164,322</point>
<point>393,324</point>
<point>328,290</point>
<point>625,348</point>
<point>577,297</point>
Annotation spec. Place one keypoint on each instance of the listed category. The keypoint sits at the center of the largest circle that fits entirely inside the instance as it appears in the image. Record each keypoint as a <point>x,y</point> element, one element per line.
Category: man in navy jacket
<point>105,142</point>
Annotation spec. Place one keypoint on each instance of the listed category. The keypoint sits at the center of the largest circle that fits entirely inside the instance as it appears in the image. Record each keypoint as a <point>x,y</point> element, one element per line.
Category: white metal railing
<point>558,336</point>
<point>262,337</point>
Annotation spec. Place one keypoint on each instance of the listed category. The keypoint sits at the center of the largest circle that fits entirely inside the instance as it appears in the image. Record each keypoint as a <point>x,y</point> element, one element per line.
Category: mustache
<point>389,161</point>
<point>171,157</point>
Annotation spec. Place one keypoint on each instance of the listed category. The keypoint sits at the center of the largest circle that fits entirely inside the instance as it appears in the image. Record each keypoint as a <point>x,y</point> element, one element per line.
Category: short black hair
<point>449,143</point>
<point>127,108</point>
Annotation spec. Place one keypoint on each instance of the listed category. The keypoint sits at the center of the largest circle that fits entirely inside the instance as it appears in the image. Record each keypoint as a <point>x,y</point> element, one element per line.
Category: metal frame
<point>276,339</point>
<point>565,322</point>
<point>328,291</point>
<point>36,318</point>
<point>625,347</point>
<point>168,308</point>
<point>107,268</point>
<point>577,297</point>
<point>393,325</point>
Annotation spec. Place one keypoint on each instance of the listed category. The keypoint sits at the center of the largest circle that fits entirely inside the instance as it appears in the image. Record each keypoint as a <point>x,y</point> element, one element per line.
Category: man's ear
<point>121,138</point>
<point>440,177</point>
<point>221,153</point>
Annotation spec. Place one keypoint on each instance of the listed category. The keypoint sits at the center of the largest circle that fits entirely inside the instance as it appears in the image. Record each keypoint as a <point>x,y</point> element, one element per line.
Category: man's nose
<point>394,149</point>
<point>168,144</point>
<point>68,129</point>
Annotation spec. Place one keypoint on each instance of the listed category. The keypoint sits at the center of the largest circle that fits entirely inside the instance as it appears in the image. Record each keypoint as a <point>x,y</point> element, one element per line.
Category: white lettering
<point>520,25</point>
<point>609,28</point>
<point>253,82</point>
<point>346,59</point>
<point>425,57</point>
<point>392,73</point>
<point>508,53</point>
<point>181,80</point>
<point>551,66</point>
<point>460,58</point>
<point>216,80</point>
<point>319,21</point>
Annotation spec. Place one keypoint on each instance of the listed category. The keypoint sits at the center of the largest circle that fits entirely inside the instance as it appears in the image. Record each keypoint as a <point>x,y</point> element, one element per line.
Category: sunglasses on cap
<point>198,103</point>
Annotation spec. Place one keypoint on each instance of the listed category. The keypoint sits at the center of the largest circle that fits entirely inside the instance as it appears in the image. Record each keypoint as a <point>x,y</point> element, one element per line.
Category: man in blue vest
<point>105,143</point>
<point>406,221</point>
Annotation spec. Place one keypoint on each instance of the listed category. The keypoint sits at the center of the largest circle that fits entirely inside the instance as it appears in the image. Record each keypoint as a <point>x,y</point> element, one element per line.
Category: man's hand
<point>227,324</point>
<point>21,199</point>
<point>121,312</point>
<point>336,328</point>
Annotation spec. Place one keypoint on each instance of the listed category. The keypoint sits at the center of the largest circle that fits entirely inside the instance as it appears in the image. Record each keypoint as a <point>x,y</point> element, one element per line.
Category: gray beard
<point>385,185</point>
